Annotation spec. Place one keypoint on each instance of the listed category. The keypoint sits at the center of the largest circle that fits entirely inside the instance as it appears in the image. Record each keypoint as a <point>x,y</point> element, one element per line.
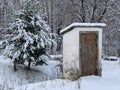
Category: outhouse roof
<point>73,25</point>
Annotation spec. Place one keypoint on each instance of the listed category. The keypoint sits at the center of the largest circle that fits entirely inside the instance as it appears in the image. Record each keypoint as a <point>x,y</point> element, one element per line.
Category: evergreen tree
<point>29,39</point>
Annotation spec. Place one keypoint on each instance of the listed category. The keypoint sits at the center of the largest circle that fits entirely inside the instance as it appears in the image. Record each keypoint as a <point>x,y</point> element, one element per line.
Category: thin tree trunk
<point>15,69</point>
<point>29,63</point>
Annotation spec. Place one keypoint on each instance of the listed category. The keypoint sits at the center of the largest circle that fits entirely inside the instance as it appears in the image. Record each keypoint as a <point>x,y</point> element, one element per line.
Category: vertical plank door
<point>88,53</point>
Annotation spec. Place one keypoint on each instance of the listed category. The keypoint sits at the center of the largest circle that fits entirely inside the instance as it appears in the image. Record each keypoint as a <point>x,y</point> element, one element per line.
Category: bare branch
<point>93,11</point>
<point>103,12</point>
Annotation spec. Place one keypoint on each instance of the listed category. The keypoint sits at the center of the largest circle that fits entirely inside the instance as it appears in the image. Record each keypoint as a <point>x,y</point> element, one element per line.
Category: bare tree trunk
<point>15,68</point>
<point>51,16</point>
<point>83,10</point>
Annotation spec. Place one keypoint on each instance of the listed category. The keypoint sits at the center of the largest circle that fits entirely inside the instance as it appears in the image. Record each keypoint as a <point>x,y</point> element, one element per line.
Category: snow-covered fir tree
<point>29,39</point>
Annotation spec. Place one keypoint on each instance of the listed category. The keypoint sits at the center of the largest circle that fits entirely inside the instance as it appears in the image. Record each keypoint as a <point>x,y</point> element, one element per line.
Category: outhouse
<point>82,47</point>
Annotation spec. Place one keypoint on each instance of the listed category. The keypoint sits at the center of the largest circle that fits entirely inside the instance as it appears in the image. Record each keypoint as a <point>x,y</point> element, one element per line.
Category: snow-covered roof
<point>73,25</point>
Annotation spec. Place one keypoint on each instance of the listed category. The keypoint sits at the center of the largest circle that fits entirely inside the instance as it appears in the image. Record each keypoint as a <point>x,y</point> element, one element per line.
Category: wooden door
<point>88,53</point>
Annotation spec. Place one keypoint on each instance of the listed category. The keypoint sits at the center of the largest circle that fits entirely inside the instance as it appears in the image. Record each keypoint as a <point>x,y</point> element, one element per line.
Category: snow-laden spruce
<point>30,38</point>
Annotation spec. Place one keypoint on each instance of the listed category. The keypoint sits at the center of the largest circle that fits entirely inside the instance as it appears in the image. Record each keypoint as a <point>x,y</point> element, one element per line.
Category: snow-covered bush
<point>29,39</point>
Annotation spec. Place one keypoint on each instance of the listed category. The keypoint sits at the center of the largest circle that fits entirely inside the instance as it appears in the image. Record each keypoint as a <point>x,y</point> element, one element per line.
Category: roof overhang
<point>73,25</point>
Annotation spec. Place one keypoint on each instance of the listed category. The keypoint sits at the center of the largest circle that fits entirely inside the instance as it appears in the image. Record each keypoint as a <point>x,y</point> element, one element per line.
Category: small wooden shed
<point>82,47</point>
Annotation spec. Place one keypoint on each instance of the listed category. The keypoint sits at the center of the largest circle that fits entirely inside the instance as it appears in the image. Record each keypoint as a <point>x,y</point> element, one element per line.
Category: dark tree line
<point>60,13</point>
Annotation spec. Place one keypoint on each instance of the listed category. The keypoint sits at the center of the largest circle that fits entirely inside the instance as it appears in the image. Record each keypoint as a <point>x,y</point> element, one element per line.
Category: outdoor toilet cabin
<point>82,47</point>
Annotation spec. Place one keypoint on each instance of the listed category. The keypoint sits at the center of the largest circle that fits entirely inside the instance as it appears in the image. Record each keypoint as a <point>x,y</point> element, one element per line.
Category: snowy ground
<point>10,79</point>
<point>110,79</point>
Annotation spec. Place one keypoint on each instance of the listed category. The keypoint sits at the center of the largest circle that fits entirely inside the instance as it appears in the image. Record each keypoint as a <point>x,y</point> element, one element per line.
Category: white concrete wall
<point>71,62</point>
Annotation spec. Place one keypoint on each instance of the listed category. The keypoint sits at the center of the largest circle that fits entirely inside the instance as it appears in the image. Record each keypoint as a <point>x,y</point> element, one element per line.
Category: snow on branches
<point>28,42</point>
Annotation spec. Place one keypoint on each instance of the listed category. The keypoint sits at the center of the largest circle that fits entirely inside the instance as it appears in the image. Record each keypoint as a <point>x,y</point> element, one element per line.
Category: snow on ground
<point>110,80</point>
<point>10,79</point>
<point>44,78</point>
